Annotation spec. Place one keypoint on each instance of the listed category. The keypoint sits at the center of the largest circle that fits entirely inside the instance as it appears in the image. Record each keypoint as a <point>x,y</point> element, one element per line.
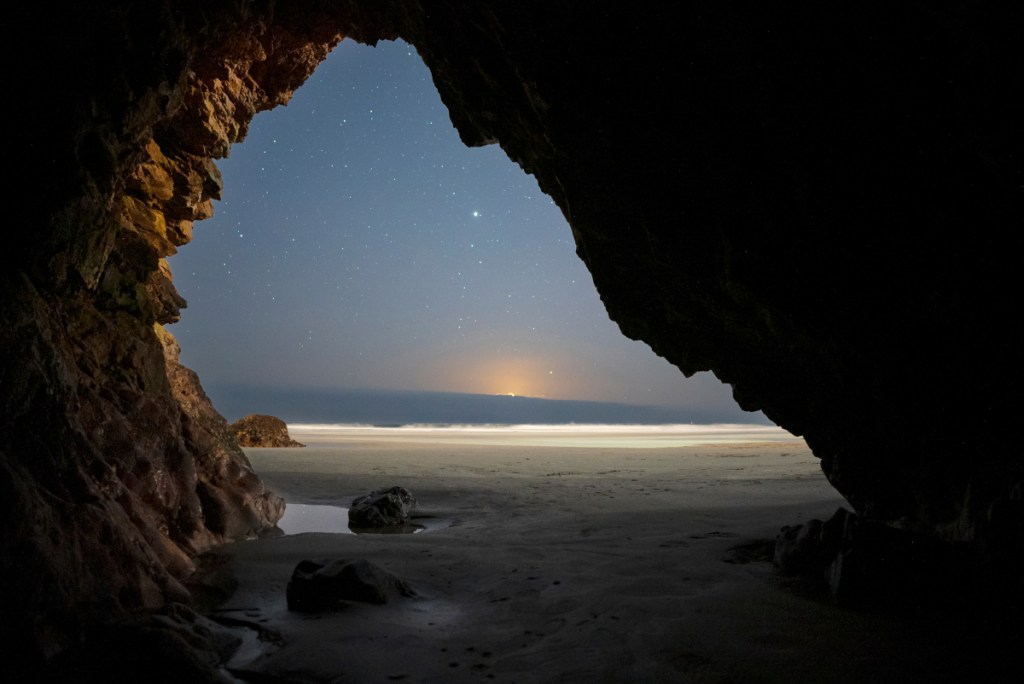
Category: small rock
<point>263,431</point>
<point>382,508</point>
<point>798,549</point>
<point>323,584</point>
<point>868,562</point>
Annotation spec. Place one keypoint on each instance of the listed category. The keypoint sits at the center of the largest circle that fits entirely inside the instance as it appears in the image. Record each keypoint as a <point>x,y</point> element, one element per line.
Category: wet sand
<point>642,561</point>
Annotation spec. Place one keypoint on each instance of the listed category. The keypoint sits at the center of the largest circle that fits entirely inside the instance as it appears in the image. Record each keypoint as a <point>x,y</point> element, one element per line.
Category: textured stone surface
<point>820,204</point>
<point>115,470</point>
<point>382,508</point>
<point>262,431</point>
<point>324,584</point>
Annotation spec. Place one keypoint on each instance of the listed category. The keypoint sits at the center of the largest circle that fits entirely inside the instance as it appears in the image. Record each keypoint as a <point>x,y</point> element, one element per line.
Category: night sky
<point>361,245</point>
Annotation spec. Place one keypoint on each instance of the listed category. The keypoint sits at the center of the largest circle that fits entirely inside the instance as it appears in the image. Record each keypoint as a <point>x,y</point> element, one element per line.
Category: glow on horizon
<point>524,375</point>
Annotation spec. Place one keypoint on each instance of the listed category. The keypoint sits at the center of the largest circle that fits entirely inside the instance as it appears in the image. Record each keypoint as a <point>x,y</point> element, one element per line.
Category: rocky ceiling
<point>821,204</point>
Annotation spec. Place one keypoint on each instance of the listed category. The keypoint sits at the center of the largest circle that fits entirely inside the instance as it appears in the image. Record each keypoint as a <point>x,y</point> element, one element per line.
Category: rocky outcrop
<point>817,203</point>
<point>263,431</point>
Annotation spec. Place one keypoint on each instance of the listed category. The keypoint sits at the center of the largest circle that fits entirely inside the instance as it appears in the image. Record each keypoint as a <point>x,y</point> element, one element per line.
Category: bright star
<point>476,214</point>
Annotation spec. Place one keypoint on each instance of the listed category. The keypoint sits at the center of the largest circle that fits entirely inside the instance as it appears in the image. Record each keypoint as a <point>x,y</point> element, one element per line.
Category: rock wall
<point>115,470</point>
<point>818,204</point>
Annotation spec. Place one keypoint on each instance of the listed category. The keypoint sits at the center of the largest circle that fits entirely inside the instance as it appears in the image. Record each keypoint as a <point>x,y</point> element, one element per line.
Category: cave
<point>814,203</point>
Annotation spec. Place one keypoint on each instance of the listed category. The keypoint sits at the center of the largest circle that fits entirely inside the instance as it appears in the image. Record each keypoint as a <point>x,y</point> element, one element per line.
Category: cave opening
<point>783,156</point>
<point>359,246</point>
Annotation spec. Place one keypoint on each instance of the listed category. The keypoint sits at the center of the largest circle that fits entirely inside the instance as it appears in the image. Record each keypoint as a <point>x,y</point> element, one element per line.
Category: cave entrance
<point>361,245</point>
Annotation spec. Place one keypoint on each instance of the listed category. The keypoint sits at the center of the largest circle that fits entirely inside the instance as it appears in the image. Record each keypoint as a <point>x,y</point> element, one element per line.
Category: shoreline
<point>558,435</point>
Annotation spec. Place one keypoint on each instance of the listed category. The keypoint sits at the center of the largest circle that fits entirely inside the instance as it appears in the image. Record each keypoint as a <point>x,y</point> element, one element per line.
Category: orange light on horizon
<point>516,377</point>
<point>483,371</point>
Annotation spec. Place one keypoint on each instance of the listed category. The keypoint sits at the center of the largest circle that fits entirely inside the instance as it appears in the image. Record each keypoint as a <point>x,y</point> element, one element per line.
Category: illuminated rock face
<point>262,431</point>
<point>820,206</point>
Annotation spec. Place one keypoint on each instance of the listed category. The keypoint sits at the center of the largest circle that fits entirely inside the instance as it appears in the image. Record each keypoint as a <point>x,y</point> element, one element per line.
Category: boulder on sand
<point>381,509</point>
<point>323,584</point>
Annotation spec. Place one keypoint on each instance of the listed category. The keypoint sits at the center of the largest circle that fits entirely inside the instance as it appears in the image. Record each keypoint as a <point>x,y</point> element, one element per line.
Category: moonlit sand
<point>563,554</point>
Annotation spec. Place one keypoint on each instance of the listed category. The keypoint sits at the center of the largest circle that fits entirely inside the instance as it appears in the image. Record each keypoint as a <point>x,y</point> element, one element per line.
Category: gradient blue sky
<point>360,244</point>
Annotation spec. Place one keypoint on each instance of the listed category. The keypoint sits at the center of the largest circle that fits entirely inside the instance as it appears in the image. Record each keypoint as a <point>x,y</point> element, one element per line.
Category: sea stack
<point>257,430</point>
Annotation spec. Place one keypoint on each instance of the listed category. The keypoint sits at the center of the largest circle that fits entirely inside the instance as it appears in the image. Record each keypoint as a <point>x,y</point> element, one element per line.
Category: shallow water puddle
<point>302,518</point>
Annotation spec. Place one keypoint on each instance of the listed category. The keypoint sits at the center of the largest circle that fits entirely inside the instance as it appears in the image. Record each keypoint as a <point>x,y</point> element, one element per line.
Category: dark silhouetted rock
<point>322,585</point>
<point>263,431</point>
<point>172,645</point>
<point>798,548</point>
<point>383,508</point>
<point>865,562</point>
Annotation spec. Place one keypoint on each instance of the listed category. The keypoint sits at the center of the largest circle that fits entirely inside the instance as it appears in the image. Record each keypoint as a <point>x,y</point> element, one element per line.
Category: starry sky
<point>360,245</point>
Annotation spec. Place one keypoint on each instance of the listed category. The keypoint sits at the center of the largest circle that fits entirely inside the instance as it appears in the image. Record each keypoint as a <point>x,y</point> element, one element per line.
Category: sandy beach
<point>600,556</point>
